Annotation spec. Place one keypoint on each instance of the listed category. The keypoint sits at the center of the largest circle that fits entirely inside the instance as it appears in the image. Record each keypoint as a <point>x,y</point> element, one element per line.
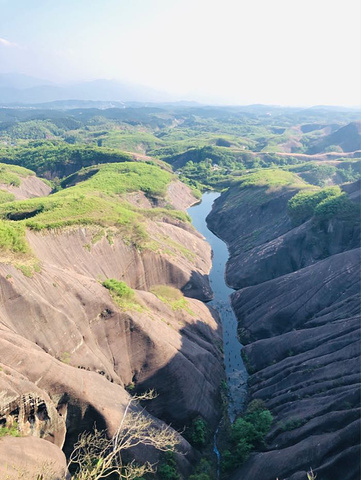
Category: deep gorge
<point>108,290</point>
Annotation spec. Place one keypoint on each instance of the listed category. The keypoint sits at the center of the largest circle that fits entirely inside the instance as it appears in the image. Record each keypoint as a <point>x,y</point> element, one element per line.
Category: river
<point>235,369</point>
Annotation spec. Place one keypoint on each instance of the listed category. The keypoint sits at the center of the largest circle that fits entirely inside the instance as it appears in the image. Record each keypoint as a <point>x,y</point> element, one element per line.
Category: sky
<point>287,52</point>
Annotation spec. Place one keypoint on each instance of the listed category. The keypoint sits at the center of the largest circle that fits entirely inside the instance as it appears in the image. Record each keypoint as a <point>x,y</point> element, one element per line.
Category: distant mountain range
<point>22,89</point>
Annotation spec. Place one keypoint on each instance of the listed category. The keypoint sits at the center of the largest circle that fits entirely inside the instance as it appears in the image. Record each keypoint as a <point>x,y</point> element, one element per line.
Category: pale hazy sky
<point>295,52</point>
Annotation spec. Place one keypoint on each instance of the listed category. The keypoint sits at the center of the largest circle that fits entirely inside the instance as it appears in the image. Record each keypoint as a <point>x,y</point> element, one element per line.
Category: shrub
<point>198,432</point>
<point>203,471</point>
<point>248,432</point>
<point>302,206</point>
<point>123,295</point>
<point>119,289</point>
<point>333,206</point>
<point>167,469</point>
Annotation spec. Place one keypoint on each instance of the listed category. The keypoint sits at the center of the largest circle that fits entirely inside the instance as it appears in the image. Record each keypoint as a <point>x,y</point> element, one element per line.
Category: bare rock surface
<point>180,195</point>
<point>30,186</point>
<point>69,351</point>
<point>298,308</point>
<point>28,457</point>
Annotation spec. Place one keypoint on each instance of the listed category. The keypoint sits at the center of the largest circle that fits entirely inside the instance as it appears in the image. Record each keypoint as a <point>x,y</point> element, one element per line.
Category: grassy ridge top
<point>120,178</point>
<point>97,196</point>
<point>92,201</point>
<point>272,178</point>
<point>11,174</point>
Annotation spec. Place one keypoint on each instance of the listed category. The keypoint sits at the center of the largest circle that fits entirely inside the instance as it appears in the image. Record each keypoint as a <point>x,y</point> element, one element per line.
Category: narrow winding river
<point>235,369</point>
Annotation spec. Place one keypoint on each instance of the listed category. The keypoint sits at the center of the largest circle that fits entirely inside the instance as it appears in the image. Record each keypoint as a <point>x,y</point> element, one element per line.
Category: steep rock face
<point>298,312</point>
<point>248,220</point>
<point>68,350</point>
<point>30,186</point>
<point>186,269</point>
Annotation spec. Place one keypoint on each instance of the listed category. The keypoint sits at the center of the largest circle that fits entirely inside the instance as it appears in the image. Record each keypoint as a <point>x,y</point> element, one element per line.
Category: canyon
<point>75,352</point>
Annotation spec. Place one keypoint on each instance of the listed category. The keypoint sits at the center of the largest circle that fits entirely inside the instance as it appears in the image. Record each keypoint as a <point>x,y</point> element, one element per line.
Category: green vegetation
<point>203,471</point>
<point>93,201</point>
<point>95,196</point>
<point>164,213</point>
<point>271,178</point>
<point>11,175</point>
<point>14,248</point>
<point>11,430</point>
<point>198,432</point>
<point>56,159</point>
<point>55,144</point>
<point>120,289</point>
<point>12,238</point>
<point>337,206</point>
<point>167,469</point>
<point>71,208</point>
<point>323,204</point>
<point>171,296</point>
<point>322,175</point>
<point>133,140</point>
<point>116,179</point>
<point>247,433</point>
<point>65,357</point>
<point>302,206</point>
<point>123,295</point>
<point>6,197</point>
<point>292,424</point>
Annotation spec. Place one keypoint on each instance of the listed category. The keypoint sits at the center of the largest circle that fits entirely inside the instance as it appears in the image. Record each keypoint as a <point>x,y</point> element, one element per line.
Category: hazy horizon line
<point>177,97</point>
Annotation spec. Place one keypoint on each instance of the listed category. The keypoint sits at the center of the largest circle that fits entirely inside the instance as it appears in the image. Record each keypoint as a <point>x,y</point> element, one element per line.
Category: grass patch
<point>65,358</point>
<point>123,295</point>
<point>119,178</point>
<point>6,197</point>
<point>11,431</point>
<point>165,214</point>
<point>28,269</point>
<point>98,236</point>
<point>11,174</point>
<point>271,178</point>
<point>95,201</point>
<point>15,250</point>
<point>171,296</point>
<point>97,197</point>
<point>12,238</point>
